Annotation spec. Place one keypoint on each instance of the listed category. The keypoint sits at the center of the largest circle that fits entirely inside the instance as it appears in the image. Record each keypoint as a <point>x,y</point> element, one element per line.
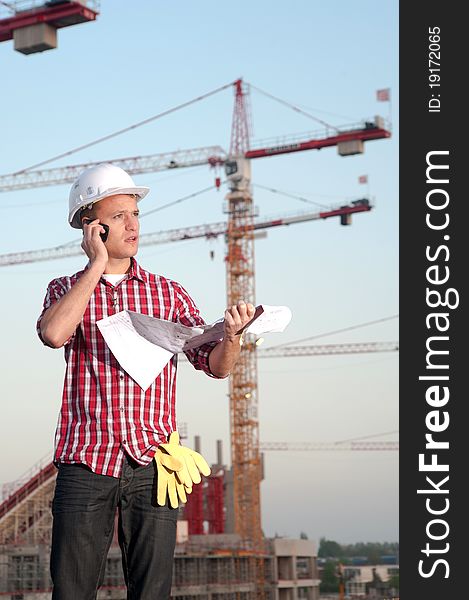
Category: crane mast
<point>243,382</point>
<point>244,422</point>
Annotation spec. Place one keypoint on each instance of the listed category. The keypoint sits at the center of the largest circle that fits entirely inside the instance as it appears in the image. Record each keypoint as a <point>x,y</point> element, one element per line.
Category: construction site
<point>212,559</point>
<point>221,550</point>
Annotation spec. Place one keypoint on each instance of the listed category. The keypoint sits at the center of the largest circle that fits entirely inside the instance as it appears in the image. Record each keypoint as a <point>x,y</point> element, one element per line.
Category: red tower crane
<point>240,284</point>
<point>244,423</point>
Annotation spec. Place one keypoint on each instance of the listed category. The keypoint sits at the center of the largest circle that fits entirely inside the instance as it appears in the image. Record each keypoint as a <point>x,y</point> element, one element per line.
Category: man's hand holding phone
<point>94,236</point>
<point>103,234</point>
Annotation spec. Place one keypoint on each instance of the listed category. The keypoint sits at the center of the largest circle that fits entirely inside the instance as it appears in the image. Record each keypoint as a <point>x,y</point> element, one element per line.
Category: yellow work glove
<point>193,463</point>
<point>168,483</point>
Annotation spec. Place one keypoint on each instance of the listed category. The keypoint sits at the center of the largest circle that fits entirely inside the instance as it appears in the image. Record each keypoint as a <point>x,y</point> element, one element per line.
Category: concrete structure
<point>206,567</point>
<point>295,574</point>
<point>358,579</point>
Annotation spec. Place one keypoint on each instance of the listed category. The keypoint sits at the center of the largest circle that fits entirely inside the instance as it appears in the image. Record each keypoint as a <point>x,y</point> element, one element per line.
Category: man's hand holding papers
<point>143,345</point>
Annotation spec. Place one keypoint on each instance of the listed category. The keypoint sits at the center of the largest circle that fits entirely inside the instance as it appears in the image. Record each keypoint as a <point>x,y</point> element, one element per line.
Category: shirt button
<point>124,442</point>
<point>121,409</point>
<point>121,376</point>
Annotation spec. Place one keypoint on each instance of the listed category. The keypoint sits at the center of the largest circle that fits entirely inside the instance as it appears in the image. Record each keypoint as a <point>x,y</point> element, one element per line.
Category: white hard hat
<point>97,183</point>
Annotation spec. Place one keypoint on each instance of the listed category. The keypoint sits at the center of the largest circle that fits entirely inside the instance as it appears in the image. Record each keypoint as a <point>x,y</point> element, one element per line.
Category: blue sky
<point>139,59</point>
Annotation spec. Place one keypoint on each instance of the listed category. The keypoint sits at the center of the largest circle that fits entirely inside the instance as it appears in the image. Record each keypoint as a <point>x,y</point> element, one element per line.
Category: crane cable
<point>125,129</point>
<point>153,210</point>
<point>295,108</point>
<point>313,337</point>
<point>8,5</point>
<point>289,195</point>
<point>365,437</point>
<point>164,113</point>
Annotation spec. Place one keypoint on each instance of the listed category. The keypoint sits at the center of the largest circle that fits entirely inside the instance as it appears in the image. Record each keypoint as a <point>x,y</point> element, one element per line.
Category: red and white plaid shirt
<point>104,412</point>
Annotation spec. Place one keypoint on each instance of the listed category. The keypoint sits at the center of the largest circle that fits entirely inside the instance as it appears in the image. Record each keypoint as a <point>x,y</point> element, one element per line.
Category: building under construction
<point>211,562</point>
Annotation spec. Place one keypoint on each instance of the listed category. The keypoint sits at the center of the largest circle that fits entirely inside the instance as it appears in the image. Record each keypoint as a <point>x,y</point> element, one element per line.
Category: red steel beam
<point>316,144</point>
<point>60,15</point>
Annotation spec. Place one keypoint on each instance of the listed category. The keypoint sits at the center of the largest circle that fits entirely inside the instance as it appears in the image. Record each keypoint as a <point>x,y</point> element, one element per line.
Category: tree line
<point>372,551</point>
<point>335,554</point>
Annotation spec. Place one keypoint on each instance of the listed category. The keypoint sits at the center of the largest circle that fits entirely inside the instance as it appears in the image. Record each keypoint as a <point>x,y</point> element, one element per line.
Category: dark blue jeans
<point>84,509</point>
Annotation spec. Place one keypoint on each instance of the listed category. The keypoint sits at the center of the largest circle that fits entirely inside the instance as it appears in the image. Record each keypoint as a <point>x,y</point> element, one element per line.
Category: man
<point>109,429</point>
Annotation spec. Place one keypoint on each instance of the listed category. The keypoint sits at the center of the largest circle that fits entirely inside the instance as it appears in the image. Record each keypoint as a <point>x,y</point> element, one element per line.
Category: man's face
<point>120,212</point>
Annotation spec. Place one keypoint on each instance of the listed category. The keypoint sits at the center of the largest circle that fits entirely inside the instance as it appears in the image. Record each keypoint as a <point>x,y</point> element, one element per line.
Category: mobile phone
<point>105,227</point>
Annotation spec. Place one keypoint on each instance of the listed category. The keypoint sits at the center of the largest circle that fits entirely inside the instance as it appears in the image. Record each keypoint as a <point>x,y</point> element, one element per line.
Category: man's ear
<point>87,215</point>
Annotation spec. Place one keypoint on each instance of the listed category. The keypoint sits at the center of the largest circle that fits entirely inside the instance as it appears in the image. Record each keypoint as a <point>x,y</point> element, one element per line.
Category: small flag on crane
<point>363,179</point>
<point>383,95</point>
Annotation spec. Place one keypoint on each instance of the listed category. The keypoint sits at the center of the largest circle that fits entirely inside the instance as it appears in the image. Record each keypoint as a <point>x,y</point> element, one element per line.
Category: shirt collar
<point>134,271</point>
<point>137,271</point>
